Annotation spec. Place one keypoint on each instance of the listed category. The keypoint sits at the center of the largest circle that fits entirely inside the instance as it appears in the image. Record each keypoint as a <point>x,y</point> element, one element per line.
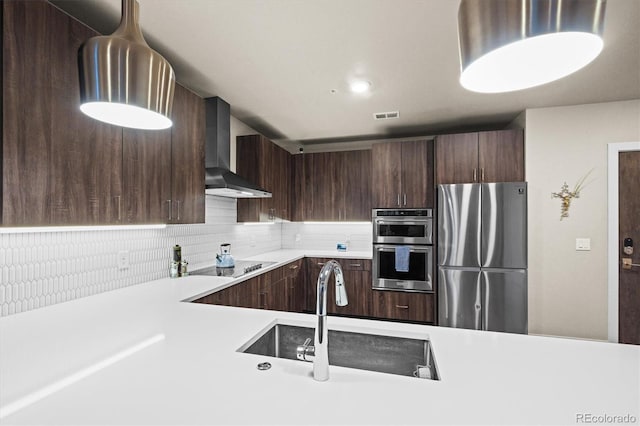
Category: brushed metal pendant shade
<point>508,45</point>
<point>122,80</point>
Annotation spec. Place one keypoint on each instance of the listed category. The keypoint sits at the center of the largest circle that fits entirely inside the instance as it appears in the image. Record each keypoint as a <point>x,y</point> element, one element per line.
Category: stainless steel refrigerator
<point>482,256</point>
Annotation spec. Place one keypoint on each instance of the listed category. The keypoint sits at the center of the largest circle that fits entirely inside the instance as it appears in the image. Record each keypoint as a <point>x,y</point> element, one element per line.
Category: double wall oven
<point>403,230</point>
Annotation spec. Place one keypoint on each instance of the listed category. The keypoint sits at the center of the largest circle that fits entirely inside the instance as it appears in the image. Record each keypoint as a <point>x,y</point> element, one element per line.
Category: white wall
<point>568,288</point>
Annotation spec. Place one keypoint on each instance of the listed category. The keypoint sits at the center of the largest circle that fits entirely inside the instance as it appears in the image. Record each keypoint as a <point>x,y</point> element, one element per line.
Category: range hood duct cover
<point>219,179</point>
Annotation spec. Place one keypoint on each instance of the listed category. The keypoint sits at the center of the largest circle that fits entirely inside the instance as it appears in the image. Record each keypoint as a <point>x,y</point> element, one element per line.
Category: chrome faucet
<point>319,352</point>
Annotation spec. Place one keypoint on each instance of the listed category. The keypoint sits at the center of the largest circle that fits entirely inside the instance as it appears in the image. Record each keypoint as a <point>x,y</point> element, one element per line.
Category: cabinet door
<point>457,158</point>
<point>187,157</point>
<point>355,177</point>
<point>59,167</point>
<point>359,292</point>
<point>262,162</point>
<point>299,181</point>
<point>250,294</point>
<point>282,186</point>
<point>313,265</point>
<point>501,156</point>
<point>357,276</point>
<point>248,165</point>
<point>417,174</point>
<point>327,188</point>
<point>385,174</point>
<point>147,175</point>
<point>273,290</point>
<point>226,297</point>
<point>296,288</point>
<point>403,306</point>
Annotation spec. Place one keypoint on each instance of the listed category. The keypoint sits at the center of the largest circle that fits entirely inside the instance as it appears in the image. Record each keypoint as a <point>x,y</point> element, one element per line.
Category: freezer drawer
<point>459,298</point>
<point>483,299</point>
<point>504,300</point>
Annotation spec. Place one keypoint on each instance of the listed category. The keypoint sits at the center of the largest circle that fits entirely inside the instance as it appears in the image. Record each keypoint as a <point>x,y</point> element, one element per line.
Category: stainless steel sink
<point>374,352</point>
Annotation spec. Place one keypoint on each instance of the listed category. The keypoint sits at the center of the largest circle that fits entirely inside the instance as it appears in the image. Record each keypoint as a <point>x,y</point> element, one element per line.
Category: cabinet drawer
<point>403,306</point>
<point>347,264</point>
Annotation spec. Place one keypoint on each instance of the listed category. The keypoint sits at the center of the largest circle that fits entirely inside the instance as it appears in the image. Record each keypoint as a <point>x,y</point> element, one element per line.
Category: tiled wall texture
<point>43,268</point>
<point>324,236</point>
<point>40,269</point>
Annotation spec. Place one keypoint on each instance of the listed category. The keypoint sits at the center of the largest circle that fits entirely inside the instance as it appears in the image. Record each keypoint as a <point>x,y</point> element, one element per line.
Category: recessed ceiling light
<point>360,86</point>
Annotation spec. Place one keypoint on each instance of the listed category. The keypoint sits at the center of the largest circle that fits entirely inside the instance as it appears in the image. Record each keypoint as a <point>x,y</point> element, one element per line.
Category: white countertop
<point>141,356</point>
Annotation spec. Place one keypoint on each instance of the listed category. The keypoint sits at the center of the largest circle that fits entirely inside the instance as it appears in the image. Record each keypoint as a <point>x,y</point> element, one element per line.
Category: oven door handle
<point>412,247</point>
<point>401,222</point>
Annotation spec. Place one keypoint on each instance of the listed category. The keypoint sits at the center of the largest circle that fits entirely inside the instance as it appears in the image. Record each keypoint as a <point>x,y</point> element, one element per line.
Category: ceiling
<point>277,62</point>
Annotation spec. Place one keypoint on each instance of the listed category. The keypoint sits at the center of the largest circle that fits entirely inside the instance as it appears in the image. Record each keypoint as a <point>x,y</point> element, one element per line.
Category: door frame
<point>614,149</point>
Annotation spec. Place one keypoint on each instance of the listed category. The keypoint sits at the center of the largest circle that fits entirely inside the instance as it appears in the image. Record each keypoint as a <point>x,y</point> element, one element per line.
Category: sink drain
<point>264,366</point>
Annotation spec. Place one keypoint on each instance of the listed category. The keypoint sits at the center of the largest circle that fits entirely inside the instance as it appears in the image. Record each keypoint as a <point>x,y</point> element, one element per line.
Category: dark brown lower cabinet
<point>357,278</point>
<point>293,288</point>
<point>227,297</point>
<point>278,290</point>
<point>399,305</point>
<point>296,290</point>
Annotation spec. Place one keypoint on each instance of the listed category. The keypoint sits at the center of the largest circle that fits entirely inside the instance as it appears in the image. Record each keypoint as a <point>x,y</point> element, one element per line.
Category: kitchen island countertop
<point>140,355</point>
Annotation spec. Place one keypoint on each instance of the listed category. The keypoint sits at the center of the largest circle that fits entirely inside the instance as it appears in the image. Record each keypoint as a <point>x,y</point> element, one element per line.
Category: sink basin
<point>403,356</point>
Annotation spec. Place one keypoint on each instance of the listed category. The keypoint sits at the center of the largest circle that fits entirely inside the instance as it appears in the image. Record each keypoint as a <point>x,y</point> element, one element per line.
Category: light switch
<point>583,244</point>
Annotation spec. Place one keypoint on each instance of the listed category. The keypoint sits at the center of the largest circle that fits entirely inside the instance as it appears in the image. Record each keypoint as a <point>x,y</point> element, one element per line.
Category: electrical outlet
<point>252,241</point>
<point>298,238</point>
<point>123,260</point>
<point>583,244</point>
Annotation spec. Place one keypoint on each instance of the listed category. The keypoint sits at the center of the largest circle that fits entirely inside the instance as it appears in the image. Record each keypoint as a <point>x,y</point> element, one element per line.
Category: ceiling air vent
<point>386,115</point>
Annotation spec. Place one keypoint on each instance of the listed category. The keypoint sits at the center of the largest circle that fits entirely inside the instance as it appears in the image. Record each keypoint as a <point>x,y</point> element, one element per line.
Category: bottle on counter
<point>175,265</point>
<point>183,269</point>
<point>177,253</point>
<point>174,269</point>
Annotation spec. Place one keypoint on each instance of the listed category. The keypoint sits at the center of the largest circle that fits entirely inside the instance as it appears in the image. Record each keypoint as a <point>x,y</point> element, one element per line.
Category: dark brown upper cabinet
<point>59,167</point>
<point>264,163</point>
<point>187,157</point>
<point>332,186</point>
<point>146,176</point>
<point>496,156</point>
<point>402,174</point>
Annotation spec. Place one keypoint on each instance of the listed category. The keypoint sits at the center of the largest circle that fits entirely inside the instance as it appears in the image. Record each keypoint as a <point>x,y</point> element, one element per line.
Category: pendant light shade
<point>122,80</point>
<point>508,45</point>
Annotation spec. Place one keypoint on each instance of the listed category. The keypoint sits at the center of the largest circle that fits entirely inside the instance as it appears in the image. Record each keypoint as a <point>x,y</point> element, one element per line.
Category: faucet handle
<point>306,352</point>
<point>341,290</point>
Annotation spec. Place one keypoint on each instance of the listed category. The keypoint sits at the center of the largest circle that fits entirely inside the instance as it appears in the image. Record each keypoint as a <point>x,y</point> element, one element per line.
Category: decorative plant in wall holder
<point>566,196</point>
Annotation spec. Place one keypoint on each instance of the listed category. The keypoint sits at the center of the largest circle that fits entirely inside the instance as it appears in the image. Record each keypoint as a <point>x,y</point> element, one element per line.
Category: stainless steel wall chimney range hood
<point>219,179</point>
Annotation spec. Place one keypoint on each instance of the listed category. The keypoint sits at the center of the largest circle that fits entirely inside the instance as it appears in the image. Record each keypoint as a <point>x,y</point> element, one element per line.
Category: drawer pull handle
<point>402,306</point>
<point>320,264</point>
<point>355,265</point>
<point>294,267</point>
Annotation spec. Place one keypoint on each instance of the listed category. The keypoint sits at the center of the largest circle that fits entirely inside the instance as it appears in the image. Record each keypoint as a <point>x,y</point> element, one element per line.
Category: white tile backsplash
<point>325,236</point>
<point>43,268</point>
<point>38,269</point>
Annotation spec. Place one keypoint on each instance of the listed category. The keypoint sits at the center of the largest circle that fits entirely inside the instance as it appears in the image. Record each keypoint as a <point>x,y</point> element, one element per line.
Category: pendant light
<point>508,45</point>
<point>122,80</point>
